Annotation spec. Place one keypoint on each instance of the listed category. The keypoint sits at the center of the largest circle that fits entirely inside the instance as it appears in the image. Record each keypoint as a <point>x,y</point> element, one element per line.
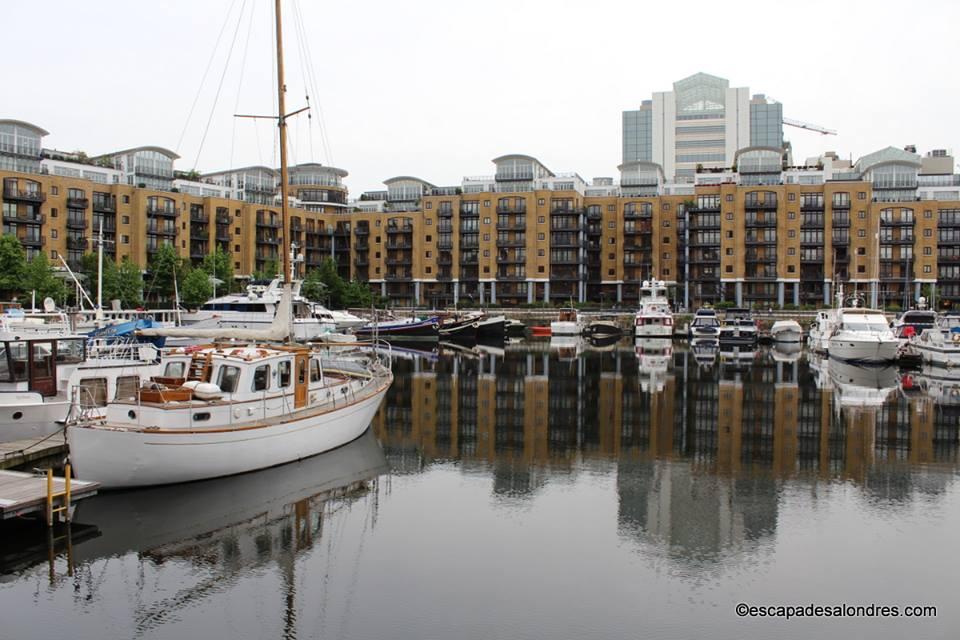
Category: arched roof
<point>161,150</point>
<point>390,181</point>
<point>26,125</point>
<point>313,166</point>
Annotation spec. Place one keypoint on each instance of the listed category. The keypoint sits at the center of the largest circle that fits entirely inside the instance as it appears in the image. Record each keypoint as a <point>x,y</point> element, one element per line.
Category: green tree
<point>39,277</point>
<point>12,266</point>
<point>197,288</point>
<point>270,270</point>
<point>312,287</point>
<point>129,285</point>
<point>357,294</point>
<point>218,265</point>
<point>164,268</point>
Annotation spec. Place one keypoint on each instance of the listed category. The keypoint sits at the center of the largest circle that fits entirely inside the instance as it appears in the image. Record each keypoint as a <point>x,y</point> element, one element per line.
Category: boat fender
<point>207,391</point>
<point>191,384</point>
<point>956,337</point>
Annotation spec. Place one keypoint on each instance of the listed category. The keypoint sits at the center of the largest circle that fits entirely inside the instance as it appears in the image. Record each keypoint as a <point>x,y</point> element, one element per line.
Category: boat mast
<point>99,316</point>
<point>282,123</point>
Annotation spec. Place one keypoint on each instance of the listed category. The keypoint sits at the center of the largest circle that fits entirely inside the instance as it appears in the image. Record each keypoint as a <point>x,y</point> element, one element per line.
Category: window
<point>791,268</point>
<point>541,203</point>
<point>93,392</point>
<point>613,241</point>
<point>861,233</point>
<point>791,197</point>
<point>541,219</point>
<point>729,268</point>
<point>927,269</point>
<point>236,248</point>
<point>540,236</point>
<point>862,195</point>
<point>791,215</point>
<point>486,220</point>
<point>665,206</point>
<point>125,239</point>
<point>236,231</point>
<point>486,203</point>
<point>928,251</point>
<point>429,254</point>
<point>611,225</point>
<point>261,378</point>
<point>428,269</point>
<point>429,206</point>
<point>666,240</point>
<point>377,239</point>
<point>862,215</point>
<point>486,252</point>
<point>127,387</point>
<point>174,370</point>
<point>729,197</point>
<point>611,272</point>
<point>928,233</point>
<point>729,215</point>
<point>227,378</point>
<point>792,233</point>
<point>611,207</point>
<point>666,255</point>
<point>611,256</point>
<point>861,268</point>
<point>729,251</point>
<point>53,233</point>
<point>124,219</point>
<point>928,214</point>
<point>541,252</point>
<point>861,251</point>
<point>486,237</point>
<point>666,223</point>
<point>126,200</point>
<point>377,224</point>
<point>53,213</point>
<point>429,238</point>
<point>283,374</point>
<point>729,235</point>
<point>791,251</point>
<point>301,371</point>
<point>429,221</point>
<point>314,370</point>
<point>540,270</point>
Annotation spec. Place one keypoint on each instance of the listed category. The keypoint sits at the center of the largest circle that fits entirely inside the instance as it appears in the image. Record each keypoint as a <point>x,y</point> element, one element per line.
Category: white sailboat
<point>222,410</point>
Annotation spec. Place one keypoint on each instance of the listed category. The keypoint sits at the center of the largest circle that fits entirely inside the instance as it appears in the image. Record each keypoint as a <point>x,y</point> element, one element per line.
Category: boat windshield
<point>871,325</point>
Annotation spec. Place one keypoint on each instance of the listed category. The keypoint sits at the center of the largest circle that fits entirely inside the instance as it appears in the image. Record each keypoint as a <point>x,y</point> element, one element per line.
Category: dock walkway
<point>25,493</point>
<point>19,453</point>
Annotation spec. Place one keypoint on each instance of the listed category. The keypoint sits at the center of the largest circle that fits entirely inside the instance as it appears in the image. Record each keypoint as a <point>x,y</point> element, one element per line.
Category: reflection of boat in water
<point>858,386</point>
<point>603,343</point>
<point>653,361</point>
<point>705,352</point>
<point>786,351</point>
<point>939,383</point>
<point>566,346</point>
<point>741,355</point>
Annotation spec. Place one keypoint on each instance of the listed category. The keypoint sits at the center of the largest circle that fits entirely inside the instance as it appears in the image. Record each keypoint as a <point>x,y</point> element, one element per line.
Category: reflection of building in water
<point>774,416</point>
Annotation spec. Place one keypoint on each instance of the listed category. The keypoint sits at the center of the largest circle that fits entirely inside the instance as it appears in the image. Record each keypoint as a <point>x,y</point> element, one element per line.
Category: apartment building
<point>758,232</point>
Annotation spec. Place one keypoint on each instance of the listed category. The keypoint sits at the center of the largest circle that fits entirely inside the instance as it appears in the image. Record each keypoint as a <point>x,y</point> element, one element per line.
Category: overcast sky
<point>436,89</point>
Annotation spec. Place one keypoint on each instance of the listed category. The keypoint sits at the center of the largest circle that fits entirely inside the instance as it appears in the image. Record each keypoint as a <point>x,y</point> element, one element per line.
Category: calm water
<point>538,492</point>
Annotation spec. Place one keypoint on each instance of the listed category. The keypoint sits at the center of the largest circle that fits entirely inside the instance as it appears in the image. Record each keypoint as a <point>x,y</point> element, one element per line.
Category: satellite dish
<point>49,305</point>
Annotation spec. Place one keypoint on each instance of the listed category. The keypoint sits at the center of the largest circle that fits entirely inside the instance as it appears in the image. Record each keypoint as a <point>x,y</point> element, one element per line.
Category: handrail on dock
<point>53,495</point>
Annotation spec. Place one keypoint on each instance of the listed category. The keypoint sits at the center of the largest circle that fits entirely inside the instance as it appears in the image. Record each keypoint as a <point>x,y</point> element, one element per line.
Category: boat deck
<point>24,493</point>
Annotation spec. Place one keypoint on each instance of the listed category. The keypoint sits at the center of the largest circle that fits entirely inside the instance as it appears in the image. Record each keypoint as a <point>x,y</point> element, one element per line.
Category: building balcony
<point>162,230</point>
<point>361,231</point>
<point>361,260</point>
<point>200,217</point>
<point>811,206</point>
<point>445,213</point>
<point>511,275</point>
<point>760,205</point>
<point>704,226</point>
<point>768,224</point>
<point>469,258</point>
<point>511,242</point>
<point>469,213</point>
<point>198,251</point>
<point>77,243</point>
<point>565,211</point>
<point>896,223</point>
<point>709,208</point>
<point>25,219</point>
<point>512,208</point>
<point>223,218</point>
<point>361,246</point>
<point>34,241</point>
<point>594,215</point>
<point>444,275</point>
<point>469,244</point>
<point>76,223</point>
<point>399,276</point>
<point>397,244</point>
<point>77,203</point>
<point>566,244</point>
<point>841,224</point>
<point>223,236</point>
<point>516,225</point>
<point>165,212</point>
<point>570,260</point>
<point>405,260</point>
<point>268,223</point>
<point>24,195</point>
<point>445,259</point>
<point>105,205</point>
<point>342,232</point>
<point>446,245</point>
<point>637,229</point>
<point>268,240</point>
<point>395,229</point>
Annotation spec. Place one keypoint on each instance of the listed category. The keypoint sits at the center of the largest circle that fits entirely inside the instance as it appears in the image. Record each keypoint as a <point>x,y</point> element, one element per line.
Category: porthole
<point>132,414</point>
<point>17,415</point>
<point>200,417</point>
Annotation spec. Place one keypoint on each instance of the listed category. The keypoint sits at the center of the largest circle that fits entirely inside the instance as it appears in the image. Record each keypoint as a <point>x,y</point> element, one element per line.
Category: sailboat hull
<point>131,458</point>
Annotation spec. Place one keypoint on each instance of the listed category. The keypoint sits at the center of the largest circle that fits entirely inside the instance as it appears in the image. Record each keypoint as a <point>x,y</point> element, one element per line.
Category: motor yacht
<point>939,345</point>
<point>568,323</point>
<point>654,318</point>
<point>863,336</point>
<point>738,329</point>
<point>786,331</point>
<point>704,326</point>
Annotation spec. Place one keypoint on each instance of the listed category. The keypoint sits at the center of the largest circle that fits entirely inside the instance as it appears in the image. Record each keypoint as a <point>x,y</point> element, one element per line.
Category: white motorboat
<point>705,326</point>
<point>567,324</point>
<point>654,318</point>
<point>42,376</point>
<point>342,320</point>
<point>256,310</point>
<point>862,335</point>
<point>941,344</point>
<point>788,331</point>
<point>913,322</point>
<point>818,336</point>
<point>738,329</point>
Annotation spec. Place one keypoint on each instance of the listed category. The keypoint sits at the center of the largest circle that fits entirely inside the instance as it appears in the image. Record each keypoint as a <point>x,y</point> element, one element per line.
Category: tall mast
<point>282,123</point>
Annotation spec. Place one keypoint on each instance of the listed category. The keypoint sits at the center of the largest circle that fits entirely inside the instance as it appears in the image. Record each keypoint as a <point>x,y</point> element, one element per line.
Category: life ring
<point>956,337</point>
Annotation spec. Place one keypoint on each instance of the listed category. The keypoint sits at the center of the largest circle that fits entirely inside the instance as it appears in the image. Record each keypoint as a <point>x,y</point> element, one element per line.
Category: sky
<point>437,89</point>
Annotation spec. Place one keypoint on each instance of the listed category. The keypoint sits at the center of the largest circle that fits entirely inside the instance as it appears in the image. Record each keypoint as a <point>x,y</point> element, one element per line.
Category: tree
<point>197,288</point>
<point>357,294</point>
<point>12,266</point>
<point>129,285</point>
<point>325,285</point>
<point>311,287</point>
<point>164,268</point>
<point>218,265</point>
<point>270,270</point>
<point>39,277</point>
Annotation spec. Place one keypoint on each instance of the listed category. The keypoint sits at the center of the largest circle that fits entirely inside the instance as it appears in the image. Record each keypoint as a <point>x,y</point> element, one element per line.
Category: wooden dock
<point>20,453</point>
<point>25,493</point>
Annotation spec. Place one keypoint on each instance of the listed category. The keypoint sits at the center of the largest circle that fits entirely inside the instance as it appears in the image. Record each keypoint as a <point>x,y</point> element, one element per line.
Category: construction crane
<point>810,127</point>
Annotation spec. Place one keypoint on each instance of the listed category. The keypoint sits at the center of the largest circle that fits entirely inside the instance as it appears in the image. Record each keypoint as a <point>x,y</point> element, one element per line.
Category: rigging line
<point>203,80</point>
<point>298,28</point>
<point>243,67</point>
<point>308,56</point>
<point>223,77</point>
